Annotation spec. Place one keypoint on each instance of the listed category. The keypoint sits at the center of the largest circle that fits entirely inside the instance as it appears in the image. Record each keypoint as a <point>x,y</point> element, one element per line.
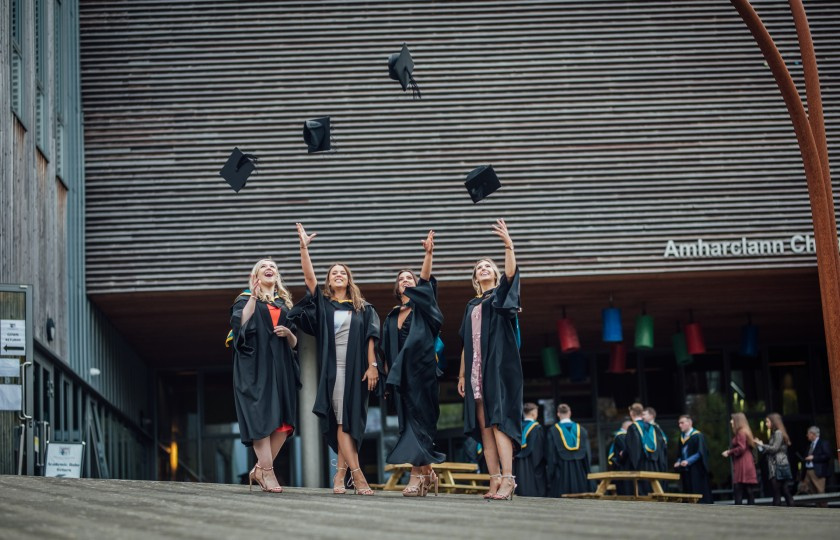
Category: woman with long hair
<point>778,465</point>
<point>346,329</point>
<point>408,341</point>
<point>266,374</point>
<point>743,466</point>
<point>493,391</point>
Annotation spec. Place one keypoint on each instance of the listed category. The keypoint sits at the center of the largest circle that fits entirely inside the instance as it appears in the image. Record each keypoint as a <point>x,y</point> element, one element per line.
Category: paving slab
<point>37,507</point>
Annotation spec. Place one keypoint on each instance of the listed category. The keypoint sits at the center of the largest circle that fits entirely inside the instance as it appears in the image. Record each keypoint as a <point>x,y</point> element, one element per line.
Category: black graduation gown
<point>266,373</point>
<point>661,450</point>
<point>695,477</point>
<point>413,375</point>
<point>568,463</point>
<point>501,367</point>
<point>314,314</point>
<point>617,461</point>
<point>640,456</point>
<point>529,465</point>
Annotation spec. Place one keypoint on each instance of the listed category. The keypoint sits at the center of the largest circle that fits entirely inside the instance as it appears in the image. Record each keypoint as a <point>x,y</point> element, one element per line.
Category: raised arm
<point>305,262</point>
<point>429,246</point>
<point>501,230</point>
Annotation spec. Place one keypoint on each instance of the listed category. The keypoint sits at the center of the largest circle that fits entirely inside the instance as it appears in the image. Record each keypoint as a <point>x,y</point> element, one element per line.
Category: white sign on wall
<point>9,367</point>
<point>64,460</point>
<point>13,337</point>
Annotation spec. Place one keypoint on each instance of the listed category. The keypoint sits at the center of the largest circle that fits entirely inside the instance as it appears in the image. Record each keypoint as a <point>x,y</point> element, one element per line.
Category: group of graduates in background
<point>555,461</point>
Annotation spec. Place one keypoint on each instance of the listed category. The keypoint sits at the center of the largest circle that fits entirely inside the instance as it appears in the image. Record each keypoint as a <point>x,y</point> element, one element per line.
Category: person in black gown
<point>643,447</point>
<point>266,374</point>
<point>408,341</point>
<point>649,416</point>
<point>529,464</point>
<point>346,330</point>
<point>617,449</point>
<point>490,378</point>
<point>569,455</point>
<point>693,461</point>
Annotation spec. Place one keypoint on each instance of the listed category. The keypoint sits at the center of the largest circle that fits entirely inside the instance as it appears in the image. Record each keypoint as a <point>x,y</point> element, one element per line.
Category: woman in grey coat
<point>777,459</point>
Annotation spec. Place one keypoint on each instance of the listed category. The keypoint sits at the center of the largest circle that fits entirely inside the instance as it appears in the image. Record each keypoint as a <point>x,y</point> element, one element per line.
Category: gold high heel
<point>356,489</point>
<point>489,495</point>
<point>509,496</point>
<point>417,489</point>
<point>340,490</point>
<point>252,477</point>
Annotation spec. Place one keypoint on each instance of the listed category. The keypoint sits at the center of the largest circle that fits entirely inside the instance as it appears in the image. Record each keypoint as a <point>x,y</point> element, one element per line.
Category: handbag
<point>783,472</point>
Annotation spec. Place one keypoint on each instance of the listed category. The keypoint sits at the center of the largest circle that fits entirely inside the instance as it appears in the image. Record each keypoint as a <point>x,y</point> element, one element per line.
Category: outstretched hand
<point>305,239</point>
<point>500,229</point>
<point>255,285</point>
<point>429,242</point>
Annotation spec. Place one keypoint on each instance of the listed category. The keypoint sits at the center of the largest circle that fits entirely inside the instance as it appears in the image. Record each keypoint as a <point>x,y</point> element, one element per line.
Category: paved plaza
<point>36,507</point>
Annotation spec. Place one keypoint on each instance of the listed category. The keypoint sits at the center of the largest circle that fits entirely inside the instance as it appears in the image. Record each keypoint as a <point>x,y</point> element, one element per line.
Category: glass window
<point>789,380</point>
<point>707,403</point>
<point>661,383</point>
<point>618,387</point>
<point>178,426</point>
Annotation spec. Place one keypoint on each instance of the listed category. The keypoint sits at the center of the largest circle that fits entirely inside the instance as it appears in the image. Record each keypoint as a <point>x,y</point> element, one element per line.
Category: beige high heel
<point>417,490</point>
<point>340,490</point>
<point>433,479</point>
<point>357,490</point>
<point>489,495</point>
<point>509,496</point>
<point>252,477</point>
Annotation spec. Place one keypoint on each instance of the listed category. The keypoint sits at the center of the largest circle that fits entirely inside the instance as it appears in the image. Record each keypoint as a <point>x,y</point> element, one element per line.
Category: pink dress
<point>475,372</point>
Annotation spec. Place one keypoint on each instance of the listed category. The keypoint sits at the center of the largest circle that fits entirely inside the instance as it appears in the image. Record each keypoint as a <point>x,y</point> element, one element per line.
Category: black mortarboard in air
<point>238,168</point>
<point>316,134</point>
<point>481,182</point>
<point>400,68</point>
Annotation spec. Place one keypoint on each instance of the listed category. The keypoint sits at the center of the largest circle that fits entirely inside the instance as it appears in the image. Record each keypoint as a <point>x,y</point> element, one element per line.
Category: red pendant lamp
<point>567,334</point>
<point>694,336</point>
<point>618,358</point>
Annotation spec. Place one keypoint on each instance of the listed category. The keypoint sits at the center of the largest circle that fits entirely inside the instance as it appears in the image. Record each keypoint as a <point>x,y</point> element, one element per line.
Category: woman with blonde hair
<point>743,466</point>
<point>493,391</point>
<point>346,330</point>
<point>778,465</point>
<point>266,374</point>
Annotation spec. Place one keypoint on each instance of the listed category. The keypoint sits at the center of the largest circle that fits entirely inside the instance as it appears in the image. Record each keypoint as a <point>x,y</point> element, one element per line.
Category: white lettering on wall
<point>743,247</point>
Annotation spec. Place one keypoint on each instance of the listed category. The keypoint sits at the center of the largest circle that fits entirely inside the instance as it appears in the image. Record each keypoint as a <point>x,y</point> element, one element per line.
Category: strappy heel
<point>357,490</point>
<point>252,477</point>
<point>417,490</point>
<point>339,490</point>
<point>509,496</point>
<point>433,479</point>
<point>489,495</point>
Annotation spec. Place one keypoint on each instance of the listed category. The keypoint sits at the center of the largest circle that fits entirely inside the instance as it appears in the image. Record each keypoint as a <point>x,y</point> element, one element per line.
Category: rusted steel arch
<point>810,134</point>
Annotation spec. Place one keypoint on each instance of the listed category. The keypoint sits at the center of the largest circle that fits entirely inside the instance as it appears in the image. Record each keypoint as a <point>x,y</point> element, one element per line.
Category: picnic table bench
<point>606,488</point>
<point>453,477</point>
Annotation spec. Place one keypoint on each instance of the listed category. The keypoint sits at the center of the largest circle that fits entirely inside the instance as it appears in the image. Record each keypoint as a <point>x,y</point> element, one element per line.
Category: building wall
<point>615,127</point>
<point>42,197</point>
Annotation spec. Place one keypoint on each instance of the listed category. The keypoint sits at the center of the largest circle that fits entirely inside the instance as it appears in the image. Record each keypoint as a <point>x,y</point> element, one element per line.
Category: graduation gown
<point>529,465</point>
<point>695,477</point>
<point>501,368</point>
<point>662,449</point>
<point>568,459</point>
<point>617,460</point>
<point>314,314</point>
<point>266,373</point>
<point>643,451</point>
<point>412,375</point>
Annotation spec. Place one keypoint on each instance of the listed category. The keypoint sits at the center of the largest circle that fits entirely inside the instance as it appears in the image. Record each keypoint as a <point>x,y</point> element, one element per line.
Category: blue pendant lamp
<point>611,324</point>
<point>644,331</point>
<point>749,339</point>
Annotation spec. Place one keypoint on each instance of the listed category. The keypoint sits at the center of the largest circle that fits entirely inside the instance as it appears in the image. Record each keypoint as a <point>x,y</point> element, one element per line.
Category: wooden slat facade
<point>614,127</point>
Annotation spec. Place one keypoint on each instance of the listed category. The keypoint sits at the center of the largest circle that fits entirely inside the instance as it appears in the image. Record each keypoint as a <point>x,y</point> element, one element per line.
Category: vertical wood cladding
<point>614,127</point>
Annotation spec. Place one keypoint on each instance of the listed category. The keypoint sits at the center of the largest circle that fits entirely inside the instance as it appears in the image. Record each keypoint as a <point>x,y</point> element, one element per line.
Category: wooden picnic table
<point>605,487</point>
<point>453,477</point>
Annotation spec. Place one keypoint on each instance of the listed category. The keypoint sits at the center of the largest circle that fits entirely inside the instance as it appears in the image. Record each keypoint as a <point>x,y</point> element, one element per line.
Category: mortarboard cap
<point>481,182</point>
<point>238,168</point>
<point>400,68</point>
<point>316,134</point>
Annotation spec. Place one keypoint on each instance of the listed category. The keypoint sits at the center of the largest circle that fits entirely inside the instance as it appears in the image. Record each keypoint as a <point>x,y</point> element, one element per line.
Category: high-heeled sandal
<point>340,490</point>
<point>252,477</point>
<point>416,490</point>
<point>509,496</point>
<point>489,495</point>
<point>433,479</point>
<point>357,490</point>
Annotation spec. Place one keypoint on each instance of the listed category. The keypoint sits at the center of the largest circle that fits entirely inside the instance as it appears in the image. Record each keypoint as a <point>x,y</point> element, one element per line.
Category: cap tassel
<point>415,90</point>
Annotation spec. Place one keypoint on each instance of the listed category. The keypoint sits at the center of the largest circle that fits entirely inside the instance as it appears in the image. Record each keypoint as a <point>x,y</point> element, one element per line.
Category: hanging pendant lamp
<point>618,358</point>
<point>694,336</point>
<point>644,331</point>
<point>550,361</point>
<point>611,324</point>
<point>680,348</point>
<point>567,334</point>
<point>749,339</point>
